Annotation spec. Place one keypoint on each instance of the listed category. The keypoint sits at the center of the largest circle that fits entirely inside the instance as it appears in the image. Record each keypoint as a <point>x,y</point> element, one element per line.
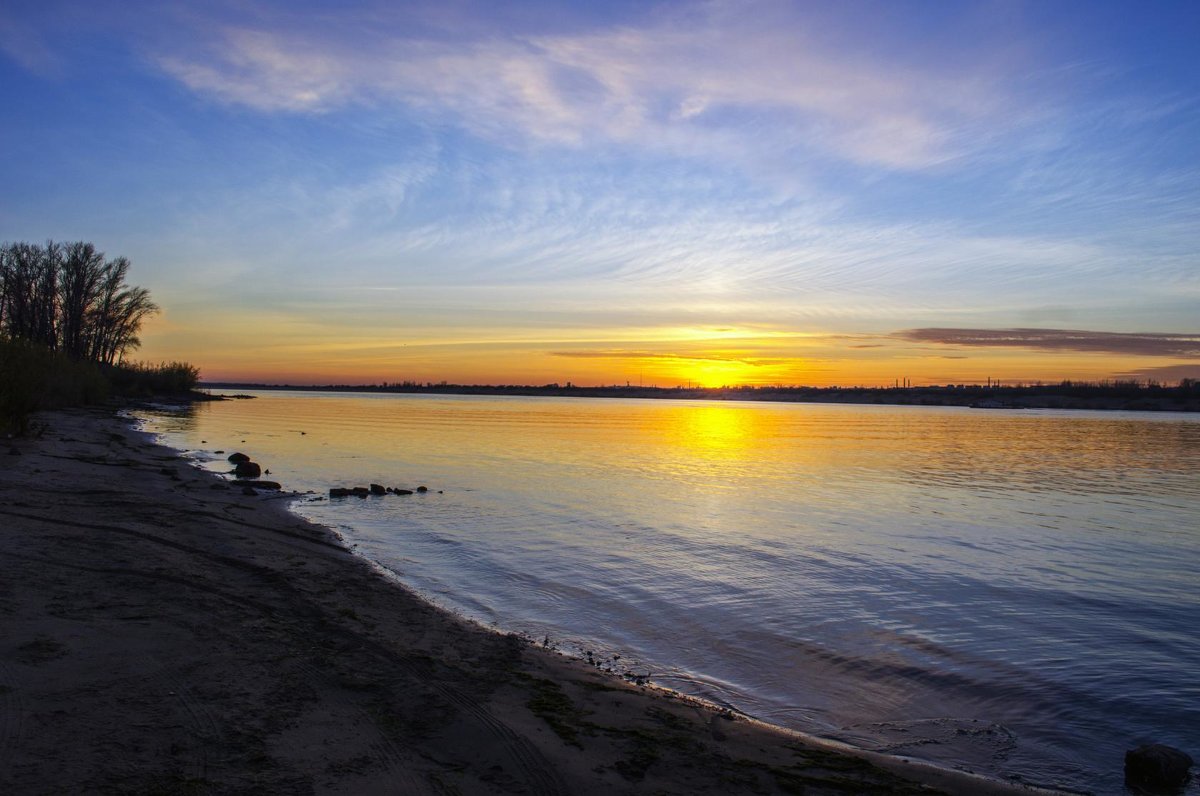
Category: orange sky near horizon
<point>705,357</point>
<point>711,193</point>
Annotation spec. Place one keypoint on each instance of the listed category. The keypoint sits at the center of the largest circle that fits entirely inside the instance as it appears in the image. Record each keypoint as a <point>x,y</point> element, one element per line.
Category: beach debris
<point>236,458</point>
<point>1157,768</point>
<point>247,469</point>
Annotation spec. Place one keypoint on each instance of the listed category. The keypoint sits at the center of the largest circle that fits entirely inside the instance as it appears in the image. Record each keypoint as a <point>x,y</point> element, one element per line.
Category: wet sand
<point>161,632</point>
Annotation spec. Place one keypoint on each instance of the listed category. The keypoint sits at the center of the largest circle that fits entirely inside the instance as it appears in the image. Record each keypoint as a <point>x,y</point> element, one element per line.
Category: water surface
<point>1010,592</point>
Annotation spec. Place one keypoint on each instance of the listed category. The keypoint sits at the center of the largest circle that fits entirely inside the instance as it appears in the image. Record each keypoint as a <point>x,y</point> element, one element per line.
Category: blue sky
<point>763,192</point>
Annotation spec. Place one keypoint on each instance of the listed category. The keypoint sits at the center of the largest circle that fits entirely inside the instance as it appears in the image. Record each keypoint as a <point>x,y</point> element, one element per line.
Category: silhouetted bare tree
<point>30,291</point>
<point>68,298</point>
<point>81,272</point>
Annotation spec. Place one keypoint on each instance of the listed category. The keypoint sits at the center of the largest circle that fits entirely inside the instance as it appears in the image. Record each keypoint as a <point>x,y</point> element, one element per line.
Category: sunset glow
<point>675,193</point>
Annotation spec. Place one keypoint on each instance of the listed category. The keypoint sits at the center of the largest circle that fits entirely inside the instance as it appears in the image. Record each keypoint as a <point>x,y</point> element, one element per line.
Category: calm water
<point>1010,592</point>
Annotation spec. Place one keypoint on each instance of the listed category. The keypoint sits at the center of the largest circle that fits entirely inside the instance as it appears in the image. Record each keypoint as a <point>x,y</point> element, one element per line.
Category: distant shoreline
<point>1120,396</point>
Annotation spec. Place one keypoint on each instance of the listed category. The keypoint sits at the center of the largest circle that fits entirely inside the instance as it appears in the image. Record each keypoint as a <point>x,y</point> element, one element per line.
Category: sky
<point>658,193</point>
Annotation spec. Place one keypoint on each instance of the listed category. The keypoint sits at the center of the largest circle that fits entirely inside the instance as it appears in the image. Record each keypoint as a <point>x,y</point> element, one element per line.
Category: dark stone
<point>377,489</point>
<point>361,491</point>
<point>339,492</point>
<point>13,452</point>
<point>402,491</point>
<point>262,484</point>
<point>247,469</point>
<point>238,458</point>
<point>219,486</point>
<point>249,491</point>
<point>219,453</point>
<point>422,489</point>
<point>1157,768</point>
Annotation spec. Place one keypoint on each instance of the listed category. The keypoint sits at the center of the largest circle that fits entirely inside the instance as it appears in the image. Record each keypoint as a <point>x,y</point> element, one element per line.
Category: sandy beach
<point>164,632</point>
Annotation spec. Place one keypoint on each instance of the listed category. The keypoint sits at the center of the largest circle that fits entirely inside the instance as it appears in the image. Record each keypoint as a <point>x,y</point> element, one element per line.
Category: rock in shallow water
<point>237,458</point>
<point>247,469</point>
<point>1157,768</point>
<point>356,491</point>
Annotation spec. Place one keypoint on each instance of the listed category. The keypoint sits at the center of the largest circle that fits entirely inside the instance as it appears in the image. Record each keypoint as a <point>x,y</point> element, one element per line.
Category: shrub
<point>22,373</point>
<point>140,378</point>
<point>32,377</point>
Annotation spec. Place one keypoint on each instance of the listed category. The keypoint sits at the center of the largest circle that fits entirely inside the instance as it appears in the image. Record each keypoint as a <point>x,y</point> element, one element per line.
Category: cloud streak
<point>727,79</point>
<point>643,355</point>
<point>26,46</point>
<point>1165,373</point>
<point>1159,344</point>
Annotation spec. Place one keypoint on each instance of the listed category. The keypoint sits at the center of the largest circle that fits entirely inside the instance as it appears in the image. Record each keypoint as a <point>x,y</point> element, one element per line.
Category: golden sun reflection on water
<point>718,432</point>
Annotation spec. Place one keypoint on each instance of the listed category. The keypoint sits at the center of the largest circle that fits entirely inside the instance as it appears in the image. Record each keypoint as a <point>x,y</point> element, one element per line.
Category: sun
<point>718,373</point>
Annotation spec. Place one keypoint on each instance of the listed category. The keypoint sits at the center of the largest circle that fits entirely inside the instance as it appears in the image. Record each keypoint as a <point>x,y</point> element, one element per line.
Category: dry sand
<point>162,633</point>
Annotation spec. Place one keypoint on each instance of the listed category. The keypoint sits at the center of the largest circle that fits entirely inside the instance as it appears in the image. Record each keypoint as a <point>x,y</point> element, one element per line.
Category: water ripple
<point>1011,592</point>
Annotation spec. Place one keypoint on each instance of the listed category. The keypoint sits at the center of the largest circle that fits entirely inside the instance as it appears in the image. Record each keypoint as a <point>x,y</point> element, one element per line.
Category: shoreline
<point>1080,397</point>
<point>161,631</point>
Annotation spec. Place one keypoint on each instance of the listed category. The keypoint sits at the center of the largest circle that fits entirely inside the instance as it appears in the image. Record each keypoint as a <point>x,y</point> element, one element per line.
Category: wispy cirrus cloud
<point>672,357</point>
<point>1165,373</point>
<point>26,45</point>
<point>718,77</point>
<point>1159,344</point>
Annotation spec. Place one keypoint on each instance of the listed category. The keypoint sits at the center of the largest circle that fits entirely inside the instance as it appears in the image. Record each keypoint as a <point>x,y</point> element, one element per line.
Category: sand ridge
<point>163,633</point>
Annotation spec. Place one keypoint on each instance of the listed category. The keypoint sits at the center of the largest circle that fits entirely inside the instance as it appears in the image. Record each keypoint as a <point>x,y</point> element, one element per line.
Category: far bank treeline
<point>67,320</point>
<point>1148,396</point>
